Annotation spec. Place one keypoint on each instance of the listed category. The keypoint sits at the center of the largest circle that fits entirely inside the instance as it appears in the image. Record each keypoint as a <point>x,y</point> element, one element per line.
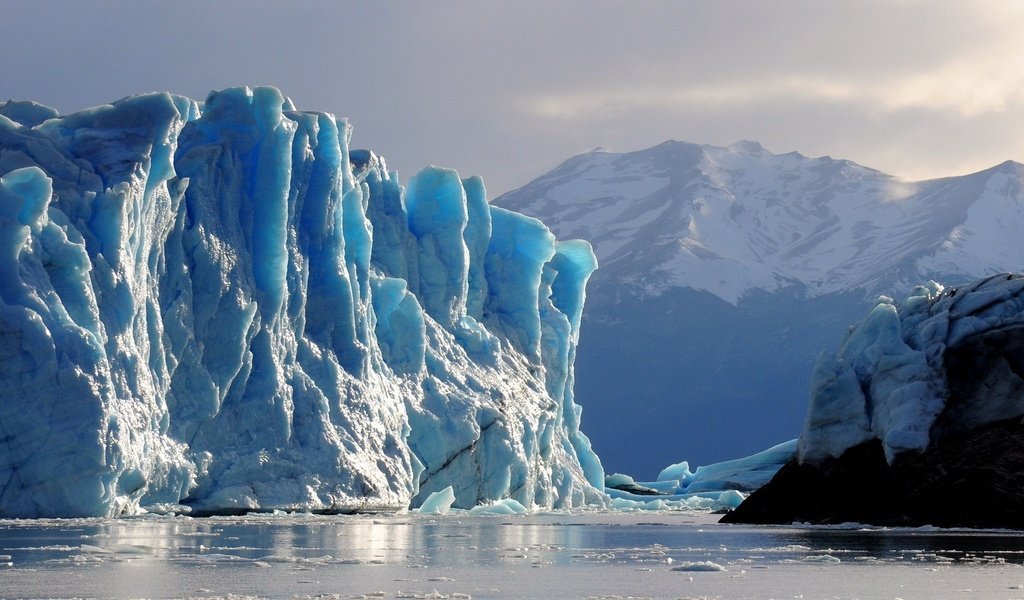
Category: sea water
<point>554,555</point>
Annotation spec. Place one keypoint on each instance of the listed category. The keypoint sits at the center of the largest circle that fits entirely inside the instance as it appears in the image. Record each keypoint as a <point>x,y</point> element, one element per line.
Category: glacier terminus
<point>220,307</point>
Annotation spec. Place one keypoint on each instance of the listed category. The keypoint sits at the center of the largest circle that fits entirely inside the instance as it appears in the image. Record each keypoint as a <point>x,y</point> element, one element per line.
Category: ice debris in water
<point>743,474</point>
<point>438,503</point>
<point>718,486</point>
<point>507,506</point>
<point>700,565</point>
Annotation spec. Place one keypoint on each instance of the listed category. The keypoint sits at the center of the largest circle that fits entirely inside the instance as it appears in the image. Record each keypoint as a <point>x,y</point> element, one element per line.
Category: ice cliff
<point>219,307</point>
<point>944,361</point>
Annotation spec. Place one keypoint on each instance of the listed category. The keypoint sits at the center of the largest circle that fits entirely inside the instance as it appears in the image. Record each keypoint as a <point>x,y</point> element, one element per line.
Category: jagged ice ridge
<point>891,379</point>
<point>220,307</point>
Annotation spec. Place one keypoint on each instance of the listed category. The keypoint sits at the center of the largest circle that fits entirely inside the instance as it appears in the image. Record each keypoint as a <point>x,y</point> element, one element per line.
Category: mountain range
<point>725,271</point>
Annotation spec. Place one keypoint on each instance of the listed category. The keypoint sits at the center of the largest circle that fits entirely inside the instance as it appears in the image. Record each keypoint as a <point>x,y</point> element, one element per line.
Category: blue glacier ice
<point>437,503</point>
<point>717,486</point>
<point>219,306</point>
<point>890,379</point>
<point>742,474</point>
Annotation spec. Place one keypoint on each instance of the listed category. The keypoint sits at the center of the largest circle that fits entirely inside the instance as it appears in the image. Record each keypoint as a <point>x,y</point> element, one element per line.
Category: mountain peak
<point>767,221</point>
<point>1010,166</point>
<point>747,147</point>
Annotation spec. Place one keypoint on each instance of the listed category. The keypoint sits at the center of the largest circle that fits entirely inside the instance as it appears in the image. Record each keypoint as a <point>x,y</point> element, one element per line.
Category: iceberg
<point>719,486</point>
<point>741,474</point>
<point>220,307</point>
<point>438,503</point>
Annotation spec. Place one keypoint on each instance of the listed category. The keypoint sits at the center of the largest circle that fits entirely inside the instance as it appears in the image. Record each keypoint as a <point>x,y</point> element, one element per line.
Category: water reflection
<point>287,556</point>
<point>902,544</point>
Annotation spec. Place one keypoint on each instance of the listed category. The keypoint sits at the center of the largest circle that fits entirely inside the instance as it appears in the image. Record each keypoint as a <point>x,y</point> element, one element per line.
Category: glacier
<point>220,307</point>
<point>744,474</point>
<point>943,361</point>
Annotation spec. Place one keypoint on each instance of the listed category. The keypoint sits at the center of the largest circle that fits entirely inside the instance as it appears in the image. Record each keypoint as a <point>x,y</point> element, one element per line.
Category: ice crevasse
<point>218,307</point>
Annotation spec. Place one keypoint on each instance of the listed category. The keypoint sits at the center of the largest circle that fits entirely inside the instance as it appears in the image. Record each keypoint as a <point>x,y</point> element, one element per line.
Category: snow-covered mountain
<point>724,271</point>
<point>219,307</point>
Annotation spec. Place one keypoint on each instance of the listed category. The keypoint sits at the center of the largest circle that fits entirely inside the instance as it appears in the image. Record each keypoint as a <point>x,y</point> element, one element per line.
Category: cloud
<point>508,90</point>
<point>615,103</point>
<point>961,88</point>
<point>967,88</point>
<point>970,63</point>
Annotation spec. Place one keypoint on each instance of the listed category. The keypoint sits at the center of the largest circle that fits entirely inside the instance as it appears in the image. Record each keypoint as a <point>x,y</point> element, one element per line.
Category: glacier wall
<point>220,307</point>
<point>945,360</point>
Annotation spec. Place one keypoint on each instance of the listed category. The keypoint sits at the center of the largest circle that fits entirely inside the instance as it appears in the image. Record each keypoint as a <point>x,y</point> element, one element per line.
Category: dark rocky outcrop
<point>968,479</point>
<point>917,420</point>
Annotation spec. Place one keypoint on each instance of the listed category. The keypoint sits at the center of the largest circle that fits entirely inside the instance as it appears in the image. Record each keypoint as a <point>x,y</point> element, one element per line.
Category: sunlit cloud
<point>612,103</point>
<point>978,77</point>
<point>960,88</point>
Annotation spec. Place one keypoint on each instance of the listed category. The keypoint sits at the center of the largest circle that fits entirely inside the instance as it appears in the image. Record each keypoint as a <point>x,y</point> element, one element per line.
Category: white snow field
<point>728,220</point>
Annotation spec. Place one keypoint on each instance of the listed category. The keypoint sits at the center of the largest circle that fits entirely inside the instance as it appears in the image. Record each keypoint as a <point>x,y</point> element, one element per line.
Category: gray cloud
<point>508,90</point>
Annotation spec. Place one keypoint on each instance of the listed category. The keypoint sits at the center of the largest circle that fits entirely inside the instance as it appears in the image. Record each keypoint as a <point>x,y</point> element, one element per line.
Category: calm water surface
<point>595,555</point>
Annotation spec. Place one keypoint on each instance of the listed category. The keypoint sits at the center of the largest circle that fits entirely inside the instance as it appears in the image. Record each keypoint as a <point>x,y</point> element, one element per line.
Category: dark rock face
<point>949,364</point>
<point>969,478</point>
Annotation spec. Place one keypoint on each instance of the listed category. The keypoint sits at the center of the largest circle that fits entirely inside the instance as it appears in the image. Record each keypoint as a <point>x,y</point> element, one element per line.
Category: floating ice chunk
<point>744,474</point>
<point>677,472</point>
<point>620,503</point>
<point>731,498</point>
<point>438,503</point>
<point>617,480</point>
<point>822,558</point>
<point>506,506</point>
<point>725,483</point>
<point>700,565</point>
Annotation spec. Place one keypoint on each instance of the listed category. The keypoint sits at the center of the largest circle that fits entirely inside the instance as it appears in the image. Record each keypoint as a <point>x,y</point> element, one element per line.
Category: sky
<point>508,90</point>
